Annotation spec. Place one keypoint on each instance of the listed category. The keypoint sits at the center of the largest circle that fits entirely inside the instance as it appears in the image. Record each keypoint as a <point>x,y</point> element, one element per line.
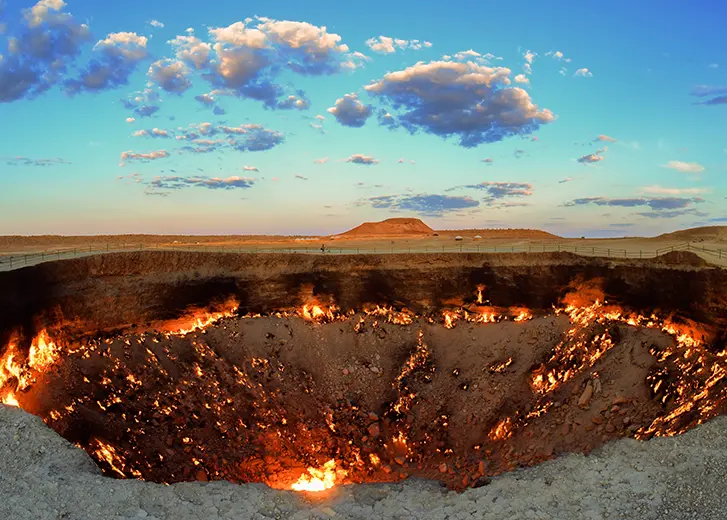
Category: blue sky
<point>303,117</point>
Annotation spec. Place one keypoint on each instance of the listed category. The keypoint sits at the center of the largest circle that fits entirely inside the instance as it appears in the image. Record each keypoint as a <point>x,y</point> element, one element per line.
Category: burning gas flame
<point>42,354</point>
<point>319,479</point>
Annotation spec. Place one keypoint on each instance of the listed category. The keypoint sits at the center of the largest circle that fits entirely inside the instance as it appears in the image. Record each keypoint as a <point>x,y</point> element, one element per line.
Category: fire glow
<point>692,391</point>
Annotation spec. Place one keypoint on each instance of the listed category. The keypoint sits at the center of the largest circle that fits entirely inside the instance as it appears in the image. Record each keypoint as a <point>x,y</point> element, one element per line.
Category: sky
<point>293,117</point>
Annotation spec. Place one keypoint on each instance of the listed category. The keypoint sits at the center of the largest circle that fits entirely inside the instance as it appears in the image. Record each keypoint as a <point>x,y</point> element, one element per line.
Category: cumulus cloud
<point>358,158</point>
<point>40,46</point>
<point>387,45</point>
<point>247,56</point>
<point>143,157</point>
<point>593,157</point>
<point>130,119</point>
<point>154,132</point>
<point>26,161</point>
<point>522,78</point>
<point>684,167</point>
<point>250,169</point>
<point>604,138</point>
<point>423,204</point>
<point>488,160</point>
<point>116,59</point>
<point>171,75</point>
<point>350,111</point>
<point>567,179</point>
<point>192,51</point>
<point>465,100</point>
<point>212,183</point>
<point>301,177</point>
<point>655,203</point>
<point>584,72</point>
<point>499,190</point>
<point>299,102</point>
<point>156,23</point>
<point>322,160</point>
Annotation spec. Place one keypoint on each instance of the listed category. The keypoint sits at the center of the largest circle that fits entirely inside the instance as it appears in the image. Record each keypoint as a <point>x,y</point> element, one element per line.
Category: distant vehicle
<point>435,235</point>
<point>477,237</point>
<point>458,237</point>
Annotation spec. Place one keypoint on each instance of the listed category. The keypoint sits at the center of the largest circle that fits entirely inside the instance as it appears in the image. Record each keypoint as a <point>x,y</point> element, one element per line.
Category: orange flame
<point>319,479</point>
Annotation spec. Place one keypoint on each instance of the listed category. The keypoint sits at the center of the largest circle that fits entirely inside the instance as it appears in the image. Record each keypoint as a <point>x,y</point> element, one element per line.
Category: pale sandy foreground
<point>44,477</point>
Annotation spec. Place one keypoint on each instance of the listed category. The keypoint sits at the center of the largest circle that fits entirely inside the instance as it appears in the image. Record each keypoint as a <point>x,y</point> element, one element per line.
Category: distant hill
<point>390,227</point>
<point>499,233</point>
<point>707,233</point>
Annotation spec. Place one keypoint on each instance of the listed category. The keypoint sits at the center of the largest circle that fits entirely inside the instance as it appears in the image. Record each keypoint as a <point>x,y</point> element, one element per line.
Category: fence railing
<point>12,261</point>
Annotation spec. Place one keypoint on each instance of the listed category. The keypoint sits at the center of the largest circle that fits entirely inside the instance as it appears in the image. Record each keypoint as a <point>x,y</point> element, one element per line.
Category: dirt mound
<point>390,227</point>
<point>681,258</point>
<point>500,233</point>
<point>707,233</point>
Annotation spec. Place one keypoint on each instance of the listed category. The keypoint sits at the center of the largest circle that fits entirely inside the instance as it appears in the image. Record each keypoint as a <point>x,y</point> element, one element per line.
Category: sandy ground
<point>42,476</point>
<point>16,252</point>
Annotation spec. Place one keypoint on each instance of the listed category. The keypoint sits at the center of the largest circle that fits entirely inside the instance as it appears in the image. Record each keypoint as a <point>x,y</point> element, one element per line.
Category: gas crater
<point>307,372</point>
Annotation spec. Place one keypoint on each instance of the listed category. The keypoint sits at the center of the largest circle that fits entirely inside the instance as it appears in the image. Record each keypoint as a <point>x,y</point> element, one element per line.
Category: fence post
<point>426,249</point>
<point>641,254</point>
<point>609,253</point>
<point>26,260</point>
<point>478,248</point>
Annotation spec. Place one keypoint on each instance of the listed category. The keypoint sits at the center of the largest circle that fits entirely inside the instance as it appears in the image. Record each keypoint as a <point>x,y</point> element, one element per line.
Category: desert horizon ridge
<point>408,227</point>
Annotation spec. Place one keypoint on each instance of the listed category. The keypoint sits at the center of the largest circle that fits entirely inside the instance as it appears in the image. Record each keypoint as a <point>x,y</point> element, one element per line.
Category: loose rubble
<point>42,476</point>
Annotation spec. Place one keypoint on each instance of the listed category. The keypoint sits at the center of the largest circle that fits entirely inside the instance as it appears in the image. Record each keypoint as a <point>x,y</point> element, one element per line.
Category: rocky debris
<point>45,477</point>
<point>585,398</point>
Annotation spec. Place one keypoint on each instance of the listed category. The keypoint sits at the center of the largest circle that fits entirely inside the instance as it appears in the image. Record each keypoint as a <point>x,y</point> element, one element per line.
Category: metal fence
<point>17,260</point>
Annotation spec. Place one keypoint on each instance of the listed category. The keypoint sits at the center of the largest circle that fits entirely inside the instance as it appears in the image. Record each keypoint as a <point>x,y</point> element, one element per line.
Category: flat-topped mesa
<point>390,227</point>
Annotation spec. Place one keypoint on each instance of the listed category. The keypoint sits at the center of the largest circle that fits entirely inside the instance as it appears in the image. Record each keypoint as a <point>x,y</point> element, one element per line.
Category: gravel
<point>43,476</point>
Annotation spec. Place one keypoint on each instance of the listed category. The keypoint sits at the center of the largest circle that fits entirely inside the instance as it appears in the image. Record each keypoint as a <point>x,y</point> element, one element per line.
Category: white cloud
<point>387,45</point>
<point>684,167</point>
<point>522,78</point>
<point>322,160</point>
<point>130,119</point>
<point>462,99</point>
<point>584,73</point>
<point>358,158</point>
<point>250,169</point>
<point>349,111</point>
<point>156,23</point>
<point>659,190</point>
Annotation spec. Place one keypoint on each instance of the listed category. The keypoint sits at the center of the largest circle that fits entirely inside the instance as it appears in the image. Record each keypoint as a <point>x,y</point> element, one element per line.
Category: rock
<point>375,370</point>
<point>481,467</point>
<point>400,461</point>
<point>619,400</point>
<point>374,430</point>
<point>615,408</point>
<point>585,398</point>
<point>481,481</point>
<point>610,428</point>
<point>345,372</point>
<point>386,468</point>
<point>566,429</point>
<point>597,419</point>
<point>443,467</point>
<point>201,476</point>
<point>373,416</point>
<point>627,421</point>
<point>596,386</point>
